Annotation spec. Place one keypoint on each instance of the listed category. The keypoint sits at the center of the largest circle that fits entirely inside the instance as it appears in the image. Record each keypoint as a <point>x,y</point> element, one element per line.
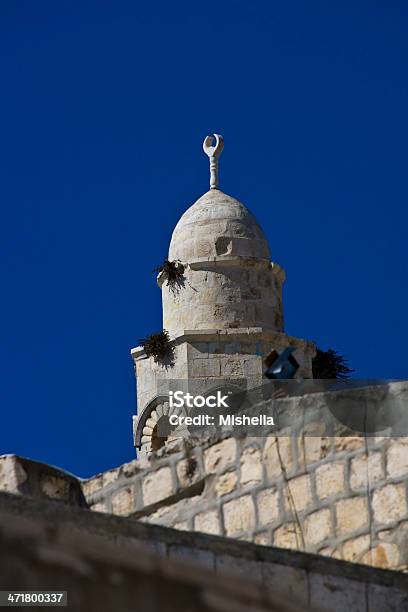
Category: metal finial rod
<point>213,146</point>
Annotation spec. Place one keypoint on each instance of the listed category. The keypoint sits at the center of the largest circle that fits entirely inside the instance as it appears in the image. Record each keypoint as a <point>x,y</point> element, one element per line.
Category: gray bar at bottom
<point>32,599</point>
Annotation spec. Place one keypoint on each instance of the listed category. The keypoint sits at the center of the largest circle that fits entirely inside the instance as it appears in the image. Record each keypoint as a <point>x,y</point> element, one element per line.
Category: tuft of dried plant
<point>172,273</point>
<point>329,364</point>
<point>158,346</point>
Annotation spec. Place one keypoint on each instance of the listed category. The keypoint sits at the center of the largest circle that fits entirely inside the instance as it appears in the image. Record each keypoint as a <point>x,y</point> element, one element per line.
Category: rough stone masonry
<point>341,496</point>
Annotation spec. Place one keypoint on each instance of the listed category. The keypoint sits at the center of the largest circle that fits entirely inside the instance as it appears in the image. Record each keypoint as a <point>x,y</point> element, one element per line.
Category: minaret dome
<point>230,281</point>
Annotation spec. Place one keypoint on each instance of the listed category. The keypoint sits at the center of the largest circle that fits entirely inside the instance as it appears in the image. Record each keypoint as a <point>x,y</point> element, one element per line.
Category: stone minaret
<point>228,314</point>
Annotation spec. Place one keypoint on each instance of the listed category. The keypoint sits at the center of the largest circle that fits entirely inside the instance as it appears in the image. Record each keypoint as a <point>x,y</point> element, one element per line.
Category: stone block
<point>220,456</point>
<point>288,536</point>
<point>91,486</point>
<point>397,460</point>
<point>385,555</point>
<point>263,538</point>
<point>169,514</point>
<point>188,472</point>
<point>312,444</point>
<point>99,507</point>
<point>386,534</point>
<point>317,527</point>
<point>123,502</point>
<point>110,476</point>
<point>289,582</point>
<point>205,368</point>
<point>389,504</point>
<point>232,367</point>
<point>351,515</point>
<point>132,468</point>
<point>239,515</point>
<point>140,546</point>
<point>383,598</point>
<point>329,479</point>
<point>203,558</point>
<point>330,551</point>
<point>353,549</point>
<point>365,471</point>
<point>181,526</point>
<point>12,474</point>
<point>217,348</point>
<point>277,457</point>
<point>251,467</point>
<point>245,568</point>
<point>54,487</point>
<point>252,367</point>
<point>336,593</point>
<point>226,483</point>
<point>157,485</point>
<point>267,502</point>
<point>207,522</point>
<point>233,348</point>
<point>298,493</point>
<point>197,350</point>
<point>348,443</point>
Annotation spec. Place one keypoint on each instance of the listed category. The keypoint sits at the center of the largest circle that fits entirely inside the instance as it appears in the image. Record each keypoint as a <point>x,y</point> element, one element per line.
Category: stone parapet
<point>107,562</point>
<point>27,477</point>
<point>341,496</point>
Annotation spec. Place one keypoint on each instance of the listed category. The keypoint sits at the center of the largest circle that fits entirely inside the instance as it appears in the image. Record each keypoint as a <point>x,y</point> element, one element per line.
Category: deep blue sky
<point>103,109</point>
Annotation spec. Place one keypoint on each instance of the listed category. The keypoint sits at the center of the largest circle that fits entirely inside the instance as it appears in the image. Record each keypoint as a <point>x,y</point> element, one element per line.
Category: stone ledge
<point>32,478</point>
<point>212,263</point>
<point>113,526</point>
<point>103,575</point>
<point>218,335</point>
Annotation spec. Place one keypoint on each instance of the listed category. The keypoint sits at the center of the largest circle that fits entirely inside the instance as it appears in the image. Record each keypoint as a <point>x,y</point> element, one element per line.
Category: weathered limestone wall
<point>111,563</point>
<point>339,496</point>
<point>225,292</point>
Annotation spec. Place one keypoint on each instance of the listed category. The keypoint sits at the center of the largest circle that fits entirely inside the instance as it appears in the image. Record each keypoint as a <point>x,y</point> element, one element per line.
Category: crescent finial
<point>213,146</point>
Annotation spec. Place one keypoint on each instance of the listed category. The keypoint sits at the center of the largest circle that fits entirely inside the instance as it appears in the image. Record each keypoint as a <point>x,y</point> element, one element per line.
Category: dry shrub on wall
<point>172,273</point>
<point>158,346</point>
<point>329,364</point>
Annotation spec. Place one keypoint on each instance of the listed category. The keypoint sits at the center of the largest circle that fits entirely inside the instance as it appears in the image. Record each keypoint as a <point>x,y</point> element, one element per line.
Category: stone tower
<point>227,316</point>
